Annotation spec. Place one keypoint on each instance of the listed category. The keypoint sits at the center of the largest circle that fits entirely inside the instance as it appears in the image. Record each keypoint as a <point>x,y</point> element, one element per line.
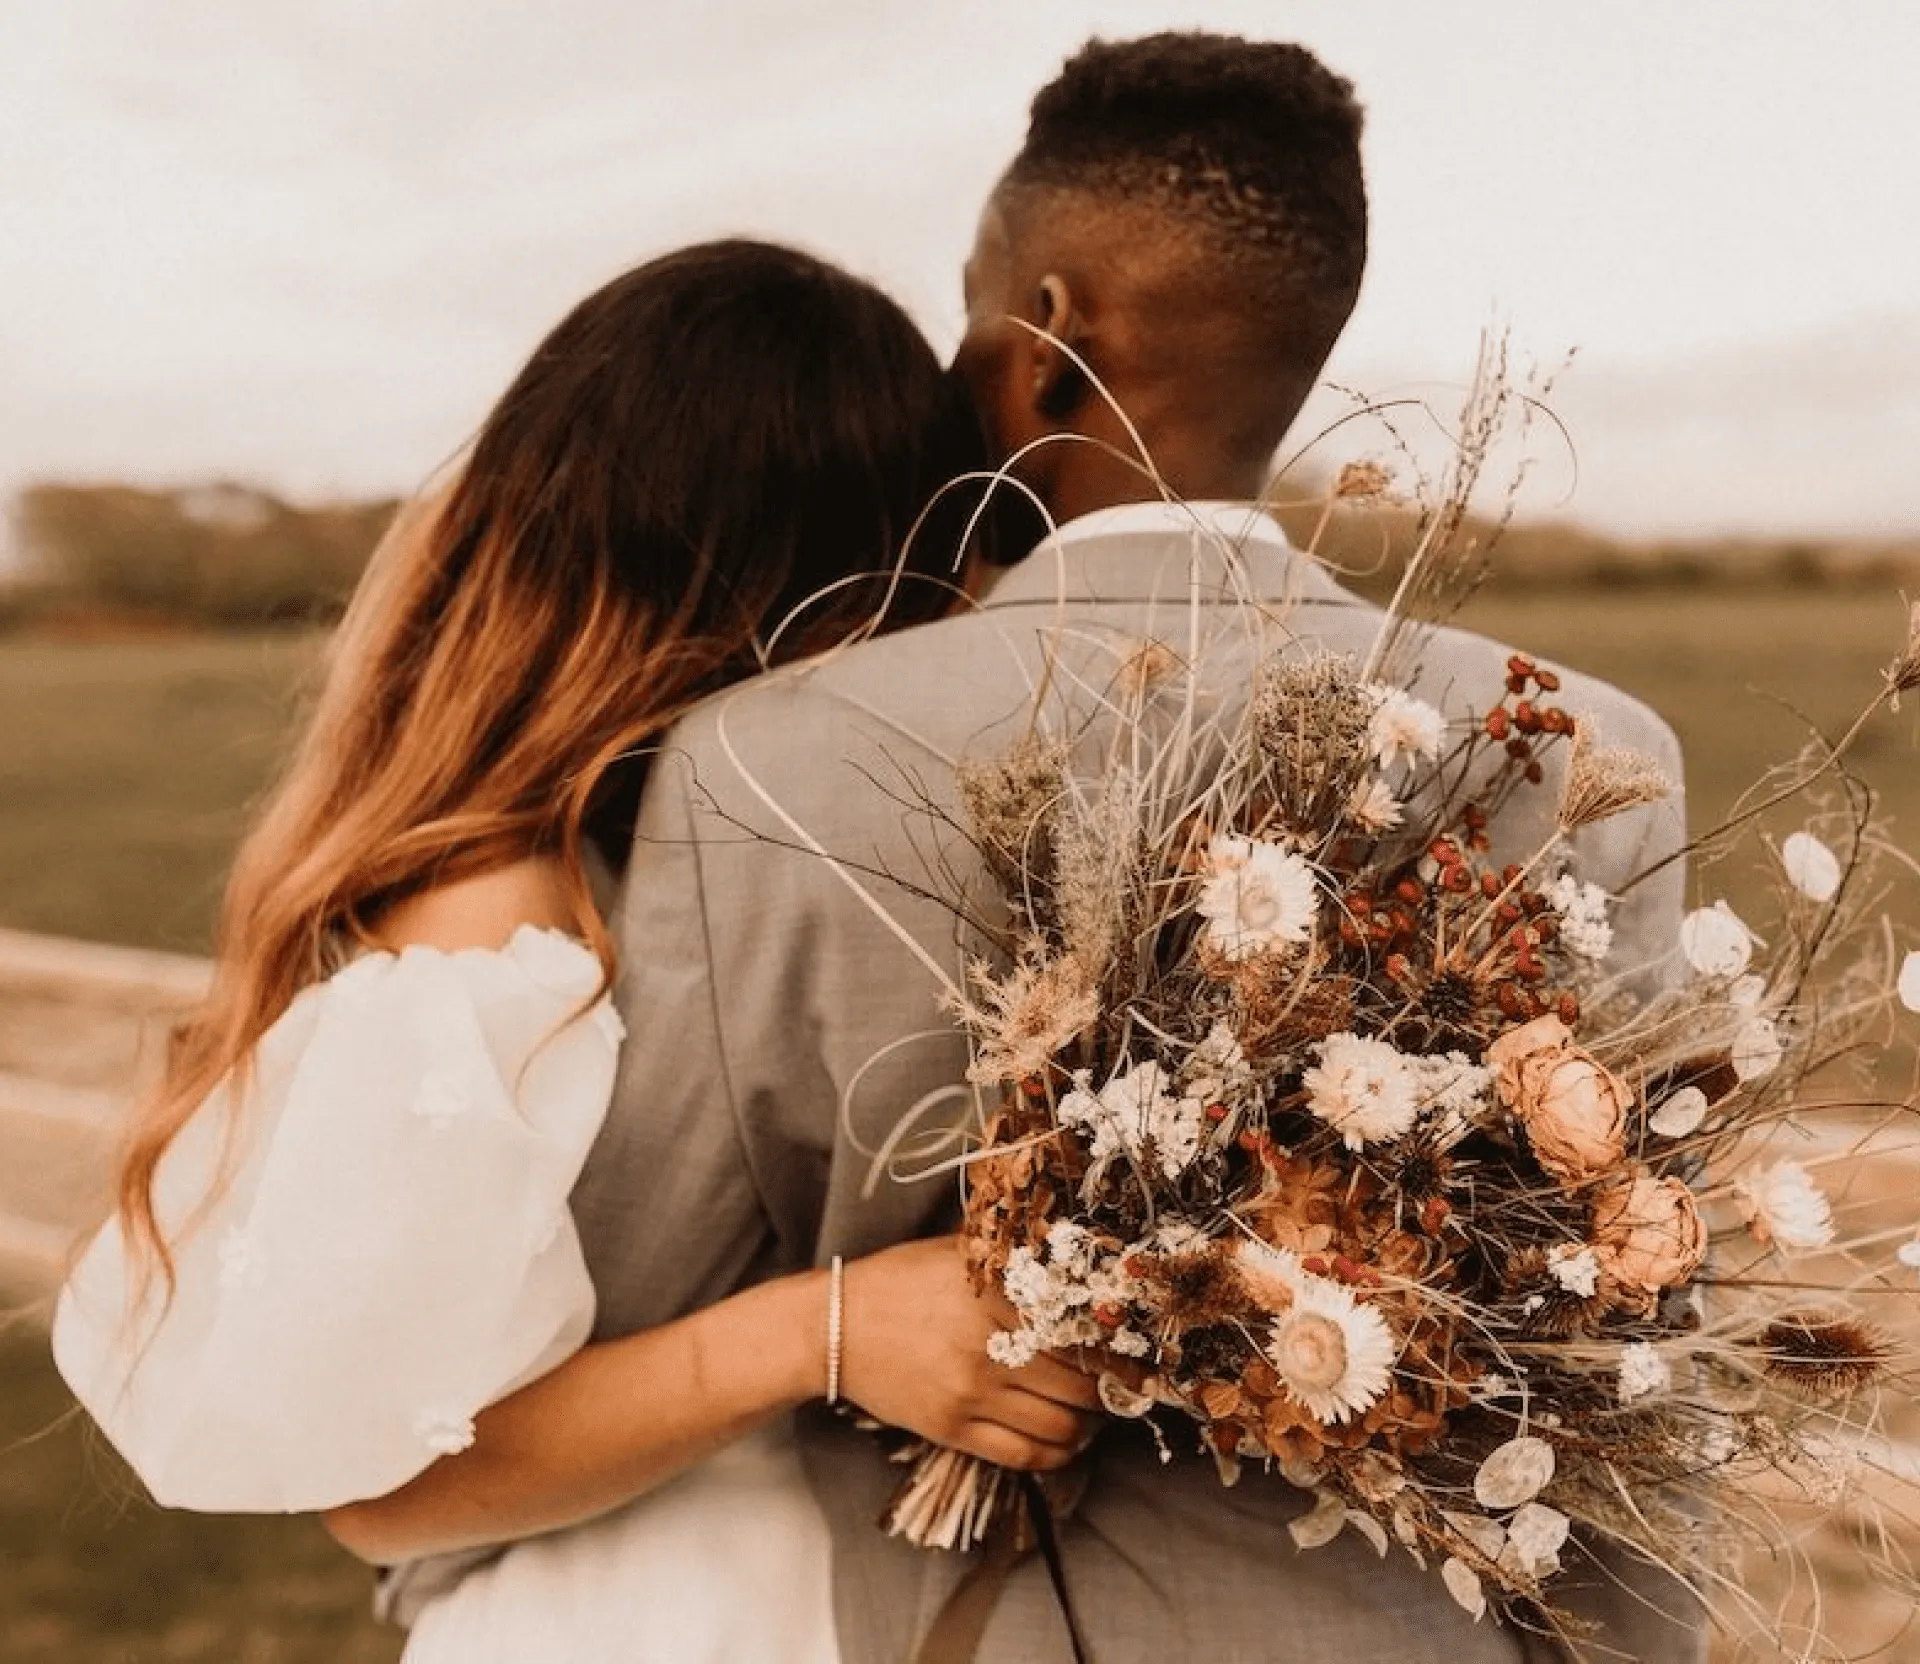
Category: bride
<point>342,1276</point>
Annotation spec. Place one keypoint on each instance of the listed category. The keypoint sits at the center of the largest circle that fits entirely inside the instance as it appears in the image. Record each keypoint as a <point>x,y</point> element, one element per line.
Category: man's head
<point>1188,216</point>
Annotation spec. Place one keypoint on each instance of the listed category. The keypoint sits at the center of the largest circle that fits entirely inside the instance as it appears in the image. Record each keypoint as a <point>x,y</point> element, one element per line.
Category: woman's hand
<point>914,1355</point>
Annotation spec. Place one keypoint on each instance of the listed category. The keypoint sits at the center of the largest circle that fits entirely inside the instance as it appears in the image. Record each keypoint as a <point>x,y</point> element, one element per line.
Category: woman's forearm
<point>614,1420</point>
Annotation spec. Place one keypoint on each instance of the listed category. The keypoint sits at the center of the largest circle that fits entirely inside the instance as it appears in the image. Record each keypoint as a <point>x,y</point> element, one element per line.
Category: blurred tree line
<point>221,555</point>
<point>227,555</point>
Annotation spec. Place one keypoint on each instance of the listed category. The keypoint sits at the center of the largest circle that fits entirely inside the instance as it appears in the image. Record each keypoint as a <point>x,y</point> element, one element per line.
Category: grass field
<point>92,1573</point>
<point>126,769</point>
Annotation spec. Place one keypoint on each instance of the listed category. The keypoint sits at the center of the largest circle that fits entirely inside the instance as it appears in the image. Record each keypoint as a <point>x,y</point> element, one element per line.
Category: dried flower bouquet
<point>1323,1131</point>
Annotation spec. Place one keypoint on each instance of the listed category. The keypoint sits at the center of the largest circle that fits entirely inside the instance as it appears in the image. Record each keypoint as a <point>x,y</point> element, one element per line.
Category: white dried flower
<point>1680,1114</point>
<point>1606,780</point>
<point>1362,1088</point>
<point>1782,1205</point>
<point>1575,1267</point>
<point>1258,897</point>
<point>1757,1049</point>
<point>1334,1354</point>
<point>1022,1021</point>
<point>1745,993</point>
<point>1403,726</point>
<point>1908,1254</point>
<point>1131,1110</point>
<point>1643,1370</point>
<point>1582,912</point>
<point>1811,867</point>
<point>1909,985</point>
<point>1373,807</point>
<point>1516,1472</point>
<point>1217,1071</point>
<point>1715,941</point>
<point>1455,1091</point>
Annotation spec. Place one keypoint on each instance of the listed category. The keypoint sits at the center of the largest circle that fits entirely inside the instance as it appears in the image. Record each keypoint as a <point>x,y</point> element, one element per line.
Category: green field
<point>126,772</point>
<point>93,1573</point>
<point>126,769</point>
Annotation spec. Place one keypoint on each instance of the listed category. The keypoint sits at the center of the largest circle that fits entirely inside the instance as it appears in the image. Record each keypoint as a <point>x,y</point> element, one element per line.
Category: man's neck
<point>1095,481</point>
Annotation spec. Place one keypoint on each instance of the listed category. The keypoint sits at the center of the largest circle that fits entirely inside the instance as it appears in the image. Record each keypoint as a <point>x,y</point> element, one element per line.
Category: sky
<point>304,245</point>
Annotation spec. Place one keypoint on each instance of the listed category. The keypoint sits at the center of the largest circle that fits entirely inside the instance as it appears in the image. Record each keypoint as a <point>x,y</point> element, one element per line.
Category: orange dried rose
<point>1574,1111</point>
<point>1648,1234</point>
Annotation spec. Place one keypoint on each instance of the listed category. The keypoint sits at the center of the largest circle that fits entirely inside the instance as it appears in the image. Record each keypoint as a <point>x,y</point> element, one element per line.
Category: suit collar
<point>1163,551</point>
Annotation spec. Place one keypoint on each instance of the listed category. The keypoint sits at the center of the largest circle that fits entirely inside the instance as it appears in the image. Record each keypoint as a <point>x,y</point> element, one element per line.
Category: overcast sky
<point>305,243</point>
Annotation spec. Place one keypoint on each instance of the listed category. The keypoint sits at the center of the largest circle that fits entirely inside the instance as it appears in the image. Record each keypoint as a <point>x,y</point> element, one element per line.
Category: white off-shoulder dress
<point>378,1247</point>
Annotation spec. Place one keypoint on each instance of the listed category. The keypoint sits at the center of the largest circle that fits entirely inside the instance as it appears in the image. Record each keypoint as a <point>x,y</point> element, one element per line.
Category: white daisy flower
<point>1715,941</point>
<point>1812,868</point>
<point>1680,1113</point>
<point>1333,1353</point>
<point>1782,1205</point>
<point>1362,1088</point>
<point>1258,897</point>
<point>1403,726</point>
<point>1575,1267</point>
<point>1373,807</point>
<point>1909,986</point>
<point>1582,912</point>
<point>1757,1049</point>
<point>1643,1370</point>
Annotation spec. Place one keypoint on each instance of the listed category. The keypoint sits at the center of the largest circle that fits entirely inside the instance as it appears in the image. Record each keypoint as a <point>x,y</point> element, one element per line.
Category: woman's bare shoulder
<point>482,911</point>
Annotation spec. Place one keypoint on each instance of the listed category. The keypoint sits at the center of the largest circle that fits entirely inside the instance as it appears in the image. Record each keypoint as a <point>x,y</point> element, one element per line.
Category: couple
<point>496,1204</point>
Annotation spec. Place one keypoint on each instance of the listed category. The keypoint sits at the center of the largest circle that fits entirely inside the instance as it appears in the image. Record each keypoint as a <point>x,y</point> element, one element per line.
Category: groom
<point>1187,215</point>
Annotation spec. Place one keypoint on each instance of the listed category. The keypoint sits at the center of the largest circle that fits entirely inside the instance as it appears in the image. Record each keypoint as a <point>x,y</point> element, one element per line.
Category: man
<point>1185,227</point>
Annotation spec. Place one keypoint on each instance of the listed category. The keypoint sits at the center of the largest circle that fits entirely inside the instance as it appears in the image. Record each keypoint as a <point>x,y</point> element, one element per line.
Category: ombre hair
<point>712,464</point>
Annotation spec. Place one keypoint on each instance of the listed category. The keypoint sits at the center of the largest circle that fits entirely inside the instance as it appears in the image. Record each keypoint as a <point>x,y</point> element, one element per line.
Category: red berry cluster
<point>1523,716</point>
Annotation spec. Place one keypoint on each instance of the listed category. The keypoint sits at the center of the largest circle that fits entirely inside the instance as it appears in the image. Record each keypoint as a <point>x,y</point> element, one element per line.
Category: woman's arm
<point>621,1416</point>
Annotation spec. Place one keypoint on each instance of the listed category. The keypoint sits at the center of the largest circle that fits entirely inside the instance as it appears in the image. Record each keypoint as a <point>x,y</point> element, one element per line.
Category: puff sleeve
<point>376,1247</point>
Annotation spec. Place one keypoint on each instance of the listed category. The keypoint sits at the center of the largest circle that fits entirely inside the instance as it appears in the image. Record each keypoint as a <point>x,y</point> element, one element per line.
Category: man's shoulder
<point>1466,668</point>
<point>940,682</point>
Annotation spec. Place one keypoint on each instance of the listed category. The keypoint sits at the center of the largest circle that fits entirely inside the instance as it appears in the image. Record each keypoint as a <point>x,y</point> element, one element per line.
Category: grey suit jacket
<point>779,1028</point>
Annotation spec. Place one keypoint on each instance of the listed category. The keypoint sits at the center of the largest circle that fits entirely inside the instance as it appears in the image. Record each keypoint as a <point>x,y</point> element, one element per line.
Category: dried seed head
<point>1146,667</point>
<point>1311,716</point>
<point>1021,1021</point>
<point>1903,675</point>
<point>1009,800</point>
<point>1821,1356</point>
<point>1363,482</point>
<point>1607,780</point>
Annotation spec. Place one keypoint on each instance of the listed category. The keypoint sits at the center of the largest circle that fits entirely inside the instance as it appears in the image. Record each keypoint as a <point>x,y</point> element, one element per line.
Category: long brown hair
<point>712,444</point>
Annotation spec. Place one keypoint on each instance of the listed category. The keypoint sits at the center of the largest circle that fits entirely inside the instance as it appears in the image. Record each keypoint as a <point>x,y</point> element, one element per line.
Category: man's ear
<point>1059,385</point>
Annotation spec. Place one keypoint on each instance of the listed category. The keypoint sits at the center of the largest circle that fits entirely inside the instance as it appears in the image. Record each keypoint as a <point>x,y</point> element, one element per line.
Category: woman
<point>342,1276</point>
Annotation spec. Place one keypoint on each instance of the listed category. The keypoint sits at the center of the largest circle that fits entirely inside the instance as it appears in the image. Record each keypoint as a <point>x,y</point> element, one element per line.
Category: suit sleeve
<point>668,1208</point>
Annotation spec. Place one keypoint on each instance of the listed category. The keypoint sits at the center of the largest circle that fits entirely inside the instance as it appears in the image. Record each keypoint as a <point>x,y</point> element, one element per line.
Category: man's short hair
<point>1254,145</point>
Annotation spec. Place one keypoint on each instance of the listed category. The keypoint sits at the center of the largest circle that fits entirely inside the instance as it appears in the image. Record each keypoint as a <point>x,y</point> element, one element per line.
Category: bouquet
<point>1341,1144</point>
